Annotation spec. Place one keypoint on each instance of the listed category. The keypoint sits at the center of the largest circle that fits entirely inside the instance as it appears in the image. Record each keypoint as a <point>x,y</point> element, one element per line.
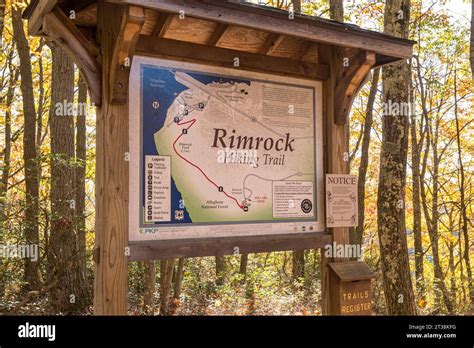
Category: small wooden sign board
<point>351,283</point>
<point>341,200</point>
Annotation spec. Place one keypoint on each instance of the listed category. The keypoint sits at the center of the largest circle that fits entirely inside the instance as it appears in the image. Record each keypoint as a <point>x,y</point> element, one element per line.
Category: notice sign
<point>220,152</point>
<point>341,200</point>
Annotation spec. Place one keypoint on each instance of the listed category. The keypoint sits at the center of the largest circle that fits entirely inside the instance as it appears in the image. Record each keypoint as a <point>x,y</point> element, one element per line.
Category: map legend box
<point>157,188</point>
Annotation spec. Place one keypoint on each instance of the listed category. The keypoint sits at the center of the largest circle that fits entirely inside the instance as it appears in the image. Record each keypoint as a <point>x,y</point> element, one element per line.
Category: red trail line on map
<point>193,121</point>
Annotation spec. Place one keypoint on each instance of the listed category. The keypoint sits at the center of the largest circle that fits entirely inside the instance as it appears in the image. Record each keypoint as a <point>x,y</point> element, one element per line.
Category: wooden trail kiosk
<point>114,41</point>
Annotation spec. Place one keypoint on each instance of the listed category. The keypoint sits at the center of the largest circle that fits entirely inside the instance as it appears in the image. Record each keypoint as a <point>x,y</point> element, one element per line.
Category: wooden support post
<point>339,92</point>
<point>337,147</point>
<point>111,284</point>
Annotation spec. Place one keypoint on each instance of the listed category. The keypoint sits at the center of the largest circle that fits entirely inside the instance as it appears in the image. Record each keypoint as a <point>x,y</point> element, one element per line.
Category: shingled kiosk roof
<point>215,32</point>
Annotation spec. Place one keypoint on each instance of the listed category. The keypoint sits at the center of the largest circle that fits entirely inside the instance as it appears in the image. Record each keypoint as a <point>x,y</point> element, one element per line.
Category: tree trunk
<point>416,147</point>
<point>472,39</point>
<point>356,238</point>
<point>298,270</point>
<point>462,188</point>
<point>433,231</point>
<point>29,147</point>
<point>2,19</point>
<point>71,295</point>
<point>178,279</point>
<point>166,276</point>
<point>5,167</point>
<point>336,10</point>
<point>244,259</point>
<point>150,288</point>
<point>80,175</point>
<point>220,270</point>
<point>391,187</point>
<point>297,6</point>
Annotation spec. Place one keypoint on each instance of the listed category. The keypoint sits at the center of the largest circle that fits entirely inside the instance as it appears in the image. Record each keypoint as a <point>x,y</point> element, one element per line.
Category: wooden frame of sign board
<point>224,239</point>
<point>104,37</point>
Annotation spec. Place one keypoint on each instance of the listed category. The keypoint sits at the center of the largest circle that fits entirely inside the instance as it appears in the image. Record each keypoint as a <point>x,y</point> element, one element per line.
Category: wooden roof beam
<point>347,87</point>
<point>191,52</point>
<point>133,18</point>
<point>327,32</point>
<point>306,51</point>
<point>218,34</point>
<point>162,24</point>
<point>271,44</point>
<point>84,53</point>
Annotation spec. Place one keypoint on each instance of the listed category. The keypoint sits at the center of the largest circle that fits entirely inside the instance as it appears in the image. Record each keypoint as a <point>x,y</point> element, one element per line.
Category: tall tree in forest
<point>80,174</point>
<point>472,39</point>
<point>5,156</point>
<point>150,287</point>
<point>336,10</point>
<point>6,152</point>
<point>397,282</point>
<point>70,294</point>
<point>166,277</point>
<point>432,220</point>
<point>357,236</point>
<point>220,270</point>
<point>31,231</point>
<point>3,8</point>
<point>462,189</point>
<point>416,148</point>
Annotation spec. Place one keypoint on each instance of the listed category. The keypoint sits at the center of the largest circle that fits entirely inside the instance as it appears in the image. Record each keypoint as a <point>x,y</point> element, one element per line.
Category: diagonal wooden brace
<point>349,84</point>
<point>84,53</point>
<point>133,18</point>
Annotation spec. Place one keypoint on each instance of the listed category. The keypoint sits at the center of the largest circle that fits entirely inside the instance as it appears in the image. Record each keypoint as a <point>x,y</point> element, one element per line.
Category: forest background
<point>46,157</point>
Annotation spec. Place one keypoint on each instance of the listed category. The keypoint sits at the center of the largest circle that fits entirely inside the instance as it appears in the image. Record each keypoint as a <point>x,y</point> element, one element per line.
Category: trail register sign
<point>222,152</point>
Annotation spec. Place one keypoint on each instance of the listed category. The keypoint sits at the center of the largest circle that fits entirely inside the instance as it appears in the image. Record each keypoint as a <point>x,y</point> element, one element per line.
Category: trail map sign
<point>222,152</point>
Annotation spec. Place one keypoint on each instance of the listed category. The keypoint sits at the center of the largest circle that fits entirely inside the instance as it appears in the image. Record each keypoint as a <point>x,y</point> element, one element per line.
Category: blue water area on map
<point>159,85</point>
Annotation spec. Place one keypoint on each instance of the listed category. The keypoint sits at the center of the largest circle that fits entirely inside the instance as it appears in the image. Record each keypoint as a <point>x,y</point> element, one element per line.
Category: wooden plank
<point>191,29</point>
<point>133,18</point>
<point>273,41</point>
<point>352,270</point>
<point>291,47</point>
<point>308,49</point>
<point>36,20</point>
<point>61,29</point>
<point>244,39</point>
<point>277,22</point>
<point>191,52</point>
<point>111,230</point>
<point>155,250</point>
<point>218,33</point>
<point>162,25</point>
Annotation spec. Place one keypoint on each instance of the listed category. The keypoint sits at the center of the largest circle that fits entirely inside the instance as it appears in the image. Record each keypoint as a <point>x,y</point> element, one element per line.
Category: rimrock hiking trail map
<point>218,150</point>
